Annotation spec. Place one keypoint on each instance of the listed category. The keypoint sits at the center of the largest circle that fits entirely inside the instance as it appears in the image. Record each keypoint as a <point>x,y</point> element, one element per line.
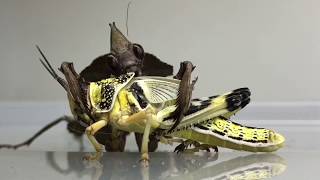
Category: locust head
<point>125,56</point>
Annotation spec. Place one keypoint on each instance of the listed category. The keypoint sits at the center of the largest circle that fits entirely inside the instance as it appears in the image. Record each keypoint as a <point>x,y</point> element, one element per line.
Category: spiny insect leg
<point>183,147</point>
<point>114,140</point>
<point>75,128</point>
<point>184,93</point>
<point>41,131</point>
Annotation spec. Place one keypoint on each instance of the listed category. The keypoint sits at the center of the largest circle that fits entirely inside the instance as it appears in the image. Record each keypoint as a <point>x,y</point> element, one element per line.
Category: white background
<point>271,46</point>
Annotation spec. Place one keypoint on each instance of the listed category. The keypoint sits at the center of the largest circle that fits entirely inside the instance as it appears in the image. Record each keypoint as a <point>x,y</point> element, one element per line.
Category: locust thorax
<point>126,56</point>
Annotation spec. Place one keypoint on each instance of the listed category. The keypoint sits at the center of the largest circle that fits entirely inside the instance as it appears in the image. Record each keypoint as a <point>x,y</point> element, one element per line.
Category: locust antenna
<point>127,18</point>
<point>49,68</point>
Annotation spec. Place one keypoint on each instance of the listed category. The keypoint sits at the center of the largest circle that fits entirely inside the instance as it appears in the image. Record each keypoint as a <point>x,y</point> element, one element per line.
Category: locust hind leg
<point>153,142</point>
<point>145,139</point>
<point>113,140</point>
<point>148,114</point>
<point>91,131</point>
<point>183,147</point>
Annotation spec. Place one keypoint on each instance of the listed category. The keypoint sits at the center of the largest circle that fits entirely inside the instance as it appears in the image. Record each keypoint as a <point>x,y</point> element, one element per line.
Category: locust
<point>146,105</point>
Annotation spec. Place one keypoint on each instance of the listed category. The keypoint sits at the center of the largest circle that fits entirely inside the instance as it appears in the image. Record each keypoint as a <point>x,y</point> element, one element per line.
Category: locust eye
<point>113,60</point>
<point>138,51</point>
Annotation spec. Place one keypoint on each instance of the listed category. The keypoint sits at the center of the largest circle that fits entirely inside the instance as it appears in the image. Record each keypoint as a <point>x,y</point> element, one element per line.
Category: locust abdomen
<point>224,133</point>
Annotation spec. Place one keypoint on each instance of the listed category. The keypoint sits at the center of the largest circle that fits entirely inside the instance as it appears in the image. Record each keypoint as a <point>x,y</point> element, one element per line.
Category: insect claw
<point>145,160</point>
<point>180,148</point>
<point>215,149</point>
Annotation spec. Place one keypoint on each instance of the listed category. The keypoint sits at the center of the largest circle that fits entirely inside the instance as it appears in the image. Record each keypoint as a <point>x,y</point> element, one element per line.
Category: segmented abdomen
<point>236,131</point>
<point>221,132</point>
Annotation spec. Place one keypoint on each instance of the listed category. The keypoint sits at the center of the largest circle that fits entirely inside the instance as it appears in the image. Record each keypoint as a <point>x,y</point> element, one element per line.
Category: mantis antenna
<point>127,18</point>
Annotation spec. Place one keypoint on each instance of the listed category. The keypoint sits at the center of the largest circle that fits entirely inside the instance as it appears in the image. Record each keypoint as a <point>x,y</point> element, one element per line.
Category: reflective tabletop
<point>57,154</point>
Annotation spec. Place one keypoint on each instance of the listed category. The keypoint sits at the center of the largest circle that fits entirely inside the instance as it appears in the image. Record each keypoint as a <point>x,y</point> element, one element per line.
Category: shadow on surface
<point>172,166</point>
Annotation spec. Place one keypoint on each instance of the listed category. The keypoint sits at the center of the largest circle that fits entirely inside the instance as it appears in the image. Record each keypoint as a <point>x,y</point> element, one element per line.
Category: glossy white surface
<point>57,154</point>
<point>271,46</point>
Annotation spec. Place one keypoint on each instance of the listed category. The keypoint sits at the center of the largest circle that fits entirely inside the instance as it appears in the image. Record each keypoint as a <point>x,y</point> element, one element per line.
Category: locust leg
<point>145,138</point>
<point>91,131</point>
<point>170,141</point>
<point>153,142</point>
<point>41,131</point>
<point>125,100</point>
<point>147,114</point>
<point>183,147</point>
<point>114,140</point>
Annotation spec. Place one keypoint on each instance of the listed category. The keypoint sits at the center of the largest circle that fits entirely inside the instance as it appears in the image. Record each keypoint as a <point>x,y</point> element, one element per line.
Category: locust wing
<point>161,90</point>
<point>200,110</point>
<point>158,90</point>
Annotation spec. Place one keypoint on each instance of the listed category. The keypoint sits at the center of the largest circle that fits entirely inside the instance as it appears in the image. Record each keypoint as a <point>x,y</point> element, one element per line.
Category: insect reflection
<point>170,166</point>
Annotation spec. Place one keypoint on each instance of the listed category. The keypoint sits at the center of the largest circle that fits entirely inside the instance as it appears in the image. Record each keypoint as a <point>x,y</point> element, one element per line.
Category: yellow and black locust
<point>146,105</point>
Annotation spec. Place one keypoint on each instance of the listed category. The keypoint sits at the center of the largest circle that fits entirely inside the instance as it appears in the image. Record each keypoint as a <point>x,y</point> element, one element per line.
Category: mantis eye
<point>138,51</point>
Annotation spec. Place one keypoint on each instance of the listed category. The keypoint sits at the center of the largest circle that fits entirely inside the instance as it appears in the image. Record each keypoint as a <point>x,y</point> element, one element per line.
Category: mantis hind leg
<point>114,140</point>
<point>35,136</point>
<point>75,128</point>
